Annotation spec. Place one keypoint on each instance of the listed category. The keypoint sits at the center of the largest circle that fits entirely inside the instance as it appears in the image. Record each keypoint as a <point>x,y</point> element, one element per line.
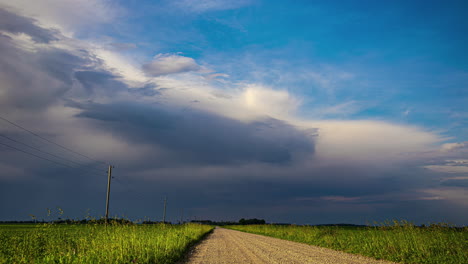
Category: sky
<point>306,112</point>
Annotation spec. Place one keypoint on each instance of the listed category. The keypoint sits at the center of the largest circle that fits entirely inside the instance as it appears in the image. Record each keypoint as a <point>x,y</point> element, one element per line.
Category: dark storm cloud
<point>202,137</point>
<point>212,166</point>
<point>99,80</point>
<point>35,80</point>
<point>24,75</point>
<point>16,24</point>
<point>147,90</point>
<point>296,195</point>
<point>61,64</point>
<point>456,183</point>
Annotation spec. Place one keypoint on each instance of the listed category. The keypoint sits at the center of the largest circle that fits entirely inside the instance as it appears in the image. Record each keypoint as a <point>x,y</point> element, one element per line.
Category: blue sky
<point>293,111</point>
<point>405,61</point>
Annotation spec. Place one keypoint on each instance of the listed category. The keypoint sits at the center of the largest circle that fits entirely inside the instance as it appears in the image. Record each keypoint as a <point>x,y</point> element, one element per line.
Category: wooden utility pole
<point>164,212</point>
<point>109,177</point>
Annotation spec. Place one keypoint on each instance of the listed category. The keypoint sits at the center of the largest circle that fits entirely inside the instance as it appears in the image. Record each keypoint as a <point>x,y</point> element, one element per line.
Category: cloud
<point>11,173</point>
<point>164,64</point>
<point>369,141</point>
<point>455,194</point>
<point>67,15</point>
<point>448,169</point>
<point>202,138</point>
<point>123,46</point>
<point>264,100</point>
<point>216,76</point>
<point>43,74</point>
<point>407,112</point>
<point>242,143</point>
<point>339,198</point>
<point>94,80</point>
<point>13,23</point>
<point>340,110</point>
<point>199,6</point>
<point>448,147</point>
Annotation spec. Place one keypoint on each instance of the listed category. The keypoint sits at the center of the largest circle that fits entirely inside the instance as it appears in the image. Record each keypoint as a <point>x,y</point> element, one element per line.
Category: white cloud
<point>364,140</point>
<point>164,64</point>
<point>266,101</point>
<point>120,65</point>
<point>217,76</point>
<point>341,110</point>
<point>122,46</point>
<point>67,15</point>
<point>448,147</point>
<point>406,112</point>
<point>451,166</point>
<point>358,140</point>
<point>199,6</point>
<point>448,168</point>
<point>458,162</point>
<point>327,78</point>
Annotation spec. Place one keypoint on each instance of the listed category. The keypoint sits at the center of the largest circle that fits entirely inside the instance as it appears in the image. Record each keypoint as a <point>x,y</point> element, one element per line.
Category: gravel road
<point>229,246</point>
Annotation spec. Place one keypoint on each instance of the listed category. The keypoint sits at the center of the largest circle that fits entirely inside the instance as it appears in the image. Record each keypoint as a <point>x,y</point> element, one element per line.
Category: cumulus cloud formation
<point>263,100</point>
<point>13,23</point>
<point>164,64</point>
<point>243,144</point>
<point>68,15</point>
<point>198,137</point>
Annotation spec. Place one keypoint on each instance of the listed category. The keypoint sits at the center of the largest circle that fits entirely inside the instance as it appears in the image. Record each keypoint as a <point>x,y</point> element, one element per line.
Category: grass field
<point>399,241</point>
<point>93,243</point>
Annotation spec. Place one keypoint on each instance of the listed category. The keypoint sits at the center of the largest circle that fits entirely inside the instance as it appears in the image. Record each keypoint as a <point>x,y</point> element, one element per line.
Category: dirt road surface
<point>229,246</point>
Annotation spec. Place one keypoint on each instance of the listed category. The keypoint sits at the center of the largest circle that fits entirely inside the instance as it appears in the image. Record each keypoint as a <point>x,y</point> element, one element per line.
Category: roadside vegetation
<point>395,241</point>
<point>97,243</point>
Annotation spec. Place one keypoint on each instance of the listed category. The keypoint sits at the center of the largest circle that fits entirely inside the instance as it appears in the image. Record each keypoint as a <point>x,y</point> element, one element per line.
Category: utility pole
<point>109,177</point>
<point>164,212</point>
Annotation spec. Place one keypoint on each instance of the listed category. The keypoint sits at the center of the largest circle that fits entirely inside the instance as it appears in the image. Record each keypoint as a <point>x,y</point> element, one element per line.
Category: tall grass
<point>397,241</point>
<point>95,243</point>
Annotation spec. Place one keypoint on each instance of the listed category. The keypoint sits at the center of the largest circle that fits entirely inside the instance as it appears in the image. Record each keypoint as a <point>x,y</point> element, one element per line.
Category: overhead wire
<point>86,170</point>
<point>40,157</point>
<point>37,156</point>
<point>48,153</point>
<point>43,138</point>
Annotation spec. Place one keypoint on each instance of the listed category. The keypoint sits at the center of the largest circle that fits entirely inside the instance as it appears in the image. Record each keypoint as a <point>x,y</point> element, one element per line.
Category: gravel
<point>230,246</point>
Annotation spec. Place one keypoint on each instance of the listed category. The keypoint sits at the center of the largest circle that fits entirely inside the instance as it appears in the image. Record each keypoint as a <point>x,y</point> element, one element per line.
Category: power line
<point>63,147</point>
<point>46,152</point>
<point>37,156</point>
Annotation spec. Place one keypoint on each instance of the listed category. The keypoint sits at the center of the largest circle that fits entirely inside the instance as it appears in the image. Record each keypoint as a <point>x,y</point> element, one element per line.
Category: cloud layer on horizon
<point>218,148</point>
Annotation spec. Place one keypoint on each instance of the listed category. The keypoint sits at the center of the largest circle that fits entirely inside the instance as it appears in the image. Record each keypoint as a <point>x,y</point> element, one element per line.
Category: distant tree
<point>253,221</point>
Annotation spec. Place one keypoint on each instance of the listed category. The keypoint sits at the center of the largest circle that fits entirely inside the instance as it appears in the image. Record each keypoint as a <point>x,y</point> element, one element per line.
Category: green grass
<point>398,241</point>
<point>93,243</point>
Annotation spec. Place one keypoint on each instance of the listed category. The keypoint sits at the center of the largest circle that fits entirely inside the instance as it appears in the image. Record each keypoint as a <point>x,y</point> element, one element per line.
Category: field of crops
<point>399,241</point>
<point>97,243</point>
